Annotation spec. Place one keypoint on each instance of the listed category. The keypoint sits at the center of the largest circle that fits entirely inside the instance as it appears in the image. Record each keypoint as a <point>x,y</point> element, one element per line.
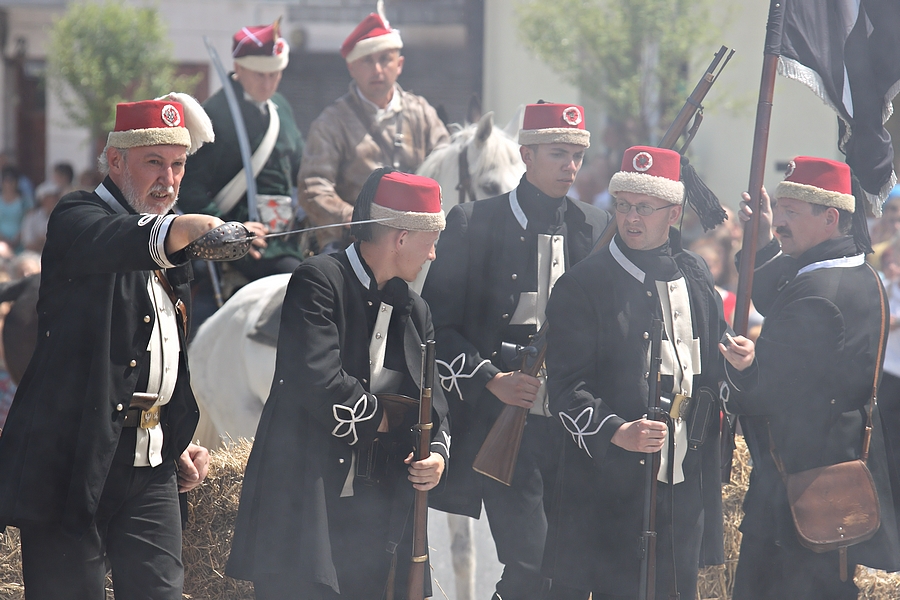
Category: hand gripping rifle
<point>498,454</point>
<point>647,586</point>
<point>419,559</point>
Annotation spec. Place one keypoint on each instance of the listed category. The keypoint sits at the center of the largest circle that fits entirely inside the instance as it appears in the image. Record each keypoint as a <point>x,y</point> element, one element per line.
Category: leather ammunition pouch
<point>696,411</point>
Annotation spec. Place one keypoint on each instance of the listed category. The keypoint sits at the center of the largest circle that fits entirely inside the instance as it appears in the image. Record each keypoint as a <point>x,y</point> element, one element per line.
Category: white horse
<point>231,371</point>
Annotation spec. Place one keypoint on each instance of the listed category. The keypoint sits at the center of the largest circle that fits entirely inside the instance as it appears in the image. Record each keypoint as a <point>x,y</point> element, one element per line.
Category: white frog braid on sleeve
<point>356,414</point>
<point>455,367</point>
<point>578,427</point>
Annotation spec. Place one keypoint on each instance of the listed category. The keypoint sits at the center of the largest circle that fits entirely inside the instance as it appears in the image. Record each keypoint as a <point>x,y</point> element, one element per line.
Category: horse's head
<point>491,158</point>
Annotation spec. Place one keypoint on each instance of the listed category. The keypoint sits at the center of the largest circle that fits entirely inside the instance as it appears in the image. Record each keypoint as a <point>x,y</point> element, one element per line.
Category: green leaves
<point>105,54</point>
<point>633,58</point>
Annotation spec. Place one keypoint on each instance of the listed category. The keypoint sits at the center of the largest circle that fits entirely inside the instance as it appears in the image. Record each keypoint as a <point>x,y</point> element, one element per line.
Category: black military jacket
<point>94,324</point>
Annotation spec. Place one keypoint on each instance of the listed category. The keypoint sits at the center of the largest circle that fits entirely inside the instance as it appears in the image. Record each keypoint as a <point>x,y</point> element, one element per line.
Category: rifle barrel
<point>419,558</point>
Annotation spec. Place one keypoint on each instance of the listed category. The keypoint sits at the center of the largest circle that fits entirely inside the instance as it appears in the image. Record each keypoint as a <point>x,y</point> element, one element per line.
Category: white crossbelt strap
<point>229,195</point>
<point>680,359</point>
<point>163,350</point>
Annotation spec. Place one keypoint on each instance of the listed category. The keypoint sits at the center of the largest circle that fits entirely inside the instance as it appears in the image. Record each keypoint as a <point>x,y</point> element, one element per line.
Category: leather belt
<point>142,412</point>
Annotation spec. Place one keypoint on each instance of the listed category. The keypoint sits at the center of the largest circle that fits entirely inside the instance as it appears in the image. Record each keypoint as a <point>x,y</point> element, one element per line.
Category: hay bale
<point>207,539</point>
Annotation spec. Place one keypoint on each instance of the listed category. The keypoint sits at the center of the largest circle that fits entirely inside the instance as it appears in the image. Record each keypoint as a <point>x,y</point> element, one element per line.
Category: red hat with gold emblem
<point>175,119</point>
<point>547,123</point>
<point>373,34</point>
<point>818,181</point>
<point>261,48</point>
<point>652,171</point>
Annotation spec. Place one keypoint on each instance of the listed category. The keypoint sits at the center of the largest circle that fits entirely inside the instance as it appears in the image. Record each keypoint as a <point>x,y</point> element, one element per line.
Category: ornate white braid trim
<point>578,429</point>
<point>356,415</point>
<point>449,382</point>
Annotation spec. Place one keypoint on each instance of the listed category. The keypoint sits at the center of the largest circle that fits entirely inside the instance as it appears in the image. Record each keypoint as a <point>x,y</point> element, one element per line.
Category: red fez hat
<point>174,119</point>
<point>547,123</point>
<point>261,48</point>
<point>818,181</point>
<point>410,202</point>
<point>652,171</point>
<point>373,34</point>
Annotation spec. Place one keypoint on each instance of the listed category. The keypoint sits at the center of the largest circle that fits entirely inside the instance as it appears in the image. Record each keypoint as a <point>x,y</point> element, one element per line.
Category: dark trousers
<point>137,531</point>
<point>517,513</point>
<point>770,569</point>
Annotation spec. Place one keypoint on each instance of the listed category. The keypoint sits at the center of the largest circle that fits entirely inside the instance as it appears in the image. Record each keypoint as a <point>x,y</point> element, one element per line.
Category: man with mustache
<point>375,124</point>
<point>598,361</point>
<point>496,264</point>
<point>96,446</point>
<point>803,388</point>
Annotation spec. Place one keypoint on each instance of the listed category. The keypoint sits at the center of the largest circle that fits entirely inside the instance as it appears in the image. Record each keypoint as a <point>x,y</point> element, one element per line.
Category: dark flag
<point>848,53</point>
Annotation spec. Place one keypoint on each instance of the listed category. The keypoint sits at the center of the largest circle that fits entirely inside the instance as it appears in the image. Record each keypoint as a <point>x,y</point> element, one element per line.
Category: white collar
<point>631,268</point>
<point>845,261</point>
<point>393,106</point>
<point>358,268</point>
<point>107,197</point>
<point>516,208</point>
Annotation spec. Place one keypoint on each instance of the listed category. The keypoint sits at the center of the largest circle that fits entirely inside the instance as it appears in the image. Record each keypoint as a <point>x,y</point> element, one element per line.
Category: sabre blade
<point>271,235</point>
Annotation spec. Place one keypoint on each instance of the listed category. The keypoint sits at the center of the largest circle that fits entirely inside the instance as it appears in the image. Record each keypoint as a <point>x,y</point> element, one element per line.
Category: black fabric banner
<point>847,52</point>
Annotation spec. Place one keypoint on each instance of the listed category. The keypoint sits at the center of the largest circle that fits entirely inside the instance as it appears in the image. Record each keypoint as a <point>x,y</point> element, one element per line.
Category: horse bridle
<point>465,187</point>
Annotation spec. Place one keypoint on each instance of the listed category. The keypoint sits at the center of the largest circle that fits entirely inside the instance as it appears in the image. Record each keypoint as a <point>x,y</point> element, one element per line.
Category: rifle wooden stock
<point>419,558</point>
<point>647,585</point>
<point>498,454</point>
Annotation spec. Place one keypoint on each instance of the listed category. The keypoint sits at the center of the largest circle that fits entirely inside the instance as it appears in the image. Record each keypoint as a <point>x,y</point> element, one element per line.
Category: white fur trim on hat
<point>155,136</point>
<point>651,185</point>
<point>815,195</point>
<point>389,41</point>
<point>266,64</point>
<point>555,135</point>
<point>196,120</point>
<point>412,221</point>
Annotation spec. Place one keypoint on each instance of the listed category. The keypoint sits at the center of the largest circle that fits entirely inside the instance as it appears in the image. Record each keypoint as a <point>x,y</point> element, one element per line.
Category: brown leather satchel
<point>836,506</point>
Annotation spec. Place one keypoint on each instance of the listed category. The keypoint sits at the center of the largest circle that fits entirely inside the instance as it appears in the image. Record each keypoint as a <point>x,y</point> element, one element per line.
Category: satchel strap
<point>867,437</point>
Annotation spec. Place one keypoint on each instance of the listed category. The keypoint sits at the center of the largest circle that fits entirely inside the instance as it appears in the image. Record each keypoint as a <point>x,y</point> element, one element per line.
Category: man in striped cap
<point>96,446</point>
<point>598,353</point>
<point>803,388</point>
<point>496,264</point>
<point>327,496</point>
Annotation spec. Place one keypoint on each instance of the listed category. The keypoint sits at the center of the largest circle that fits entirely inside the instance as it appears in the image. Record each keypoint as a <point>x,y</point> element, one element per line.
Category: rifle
<point>498,453</point>
<point>647,587</point>
<point>419,558</point>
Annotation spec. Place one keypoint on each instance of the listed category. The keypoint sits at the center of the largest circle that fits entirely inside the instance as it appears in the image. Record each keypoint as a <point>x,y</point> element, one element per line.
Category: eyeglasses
<point>645,210</point>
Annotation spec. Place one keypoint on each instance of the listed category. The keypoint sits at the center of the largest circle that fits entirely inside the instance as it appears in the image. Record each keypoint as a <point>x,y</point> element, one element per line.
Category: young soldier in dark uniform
<point>100,427</point>
<point>326,500</point>
<point>803,388</point>
<point>598,350</point>
<point>497,262</point>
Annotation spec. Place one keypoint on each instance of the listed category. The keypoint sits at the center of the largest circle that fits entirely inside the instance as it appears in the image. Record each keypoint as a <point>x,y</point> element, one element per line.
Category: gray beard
<point>139,203</point>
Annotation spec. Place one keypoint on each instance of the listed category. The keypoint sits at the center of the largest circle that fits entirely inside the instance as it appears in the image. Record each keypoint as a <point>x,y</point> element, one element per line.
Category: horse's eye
<point>491,188</point>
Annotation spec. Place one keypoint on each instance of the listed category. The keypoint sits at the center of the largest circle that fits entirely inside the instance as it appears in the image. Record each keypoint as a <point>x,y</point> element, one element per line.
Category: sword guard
<point>229,241</point>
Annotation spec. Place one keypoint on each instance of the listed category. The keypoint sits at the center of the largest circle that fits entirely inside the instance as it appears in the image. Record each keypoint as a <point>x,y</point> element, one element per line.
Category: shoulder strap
<point>867,438</point>
<point>180,308</point>
<point>229,195</point>
<point>376,134</point>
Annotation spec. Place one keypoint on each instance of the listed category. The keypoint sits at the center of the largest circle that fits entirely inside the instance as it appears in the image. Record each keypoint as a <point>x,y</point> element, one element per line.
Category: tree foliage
<point>105,54</point>
<point>633,58</point>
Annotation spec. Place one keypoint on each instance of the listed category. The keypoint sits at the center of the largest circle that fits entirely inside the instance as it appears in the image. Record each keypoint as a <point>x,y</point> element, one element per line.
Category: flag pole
<point>758,165</point>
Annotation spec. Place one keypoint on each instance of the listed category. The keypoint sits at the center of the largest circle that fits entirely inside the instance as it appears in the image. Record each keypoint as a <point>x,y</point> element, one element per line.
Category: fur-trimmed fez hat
<point>818,181</point>
<point>547,123</point>
<point>407,201</point>
<point>261,48</point>
<point>174,119</point>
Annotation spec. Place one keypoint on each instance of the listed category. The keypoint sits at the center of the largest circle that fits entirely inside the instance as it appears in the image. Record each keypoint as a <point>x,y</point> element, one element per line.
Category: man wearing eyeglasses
<point>598,356</point>
<point>496,264</point>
